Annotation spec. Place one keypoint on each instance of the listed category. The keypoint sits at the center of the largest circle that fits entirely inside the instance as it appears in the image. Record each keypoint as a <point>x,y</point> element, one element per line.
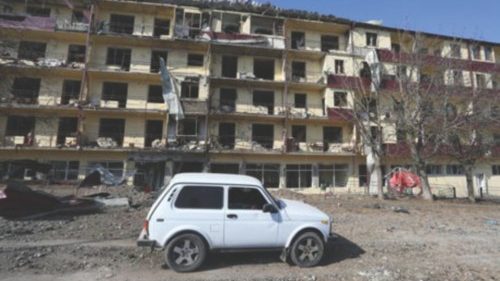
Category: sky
<point>478,19</point>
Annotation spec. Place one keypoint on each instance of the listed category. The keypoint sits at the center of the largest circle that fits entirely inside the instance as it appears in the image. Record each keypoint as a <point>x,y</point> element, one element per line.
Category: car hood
<point>301,211</point>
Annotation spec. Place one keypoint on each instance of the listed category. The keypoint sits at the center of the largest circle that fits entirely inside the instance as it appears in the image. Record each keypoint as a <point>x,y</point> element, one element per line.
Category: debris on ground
<point>20,201</point>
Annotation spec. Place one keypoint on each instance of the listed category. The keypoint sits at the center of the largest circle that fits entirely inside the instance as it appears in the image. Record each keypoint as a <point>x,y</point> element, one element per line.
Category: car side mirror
<point>269,208</point>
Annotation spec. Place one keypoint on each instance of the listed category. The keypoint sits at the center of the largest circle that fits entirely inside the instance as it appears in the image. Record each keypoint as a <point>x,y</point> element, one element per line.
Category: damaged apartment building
<point>260,93</point>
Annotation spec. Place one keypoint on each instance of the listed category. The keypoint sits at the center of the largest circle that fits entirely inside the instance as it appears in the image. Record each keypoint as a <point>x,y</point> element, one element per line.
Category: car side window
<point>245,199</point>
<point>200,197</point>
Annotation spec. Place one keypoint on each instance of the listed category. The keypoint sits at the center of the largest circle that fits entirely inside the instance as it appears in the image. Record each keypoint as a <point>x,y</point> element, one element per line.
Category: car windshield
<point>275,201</point>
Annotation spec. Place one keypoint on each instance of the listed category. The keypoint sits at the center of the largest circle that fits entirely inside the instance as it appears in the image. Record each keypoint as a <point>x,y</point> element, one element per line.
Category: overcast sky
<point>479,19</point>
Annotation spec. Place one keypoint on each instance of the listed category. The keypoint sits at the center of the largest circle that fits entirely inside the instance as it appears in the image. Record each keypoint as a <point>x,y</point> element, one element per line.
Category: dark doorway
<point>154,131</point>
<point>229,66</point>
<point>227,134</point>
<point>264,98</point>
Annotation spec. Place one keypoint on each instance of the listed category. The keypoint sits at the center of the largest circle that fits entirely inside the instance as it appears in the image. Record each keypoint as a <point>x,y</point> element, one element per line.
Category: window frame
<point>371,39</point>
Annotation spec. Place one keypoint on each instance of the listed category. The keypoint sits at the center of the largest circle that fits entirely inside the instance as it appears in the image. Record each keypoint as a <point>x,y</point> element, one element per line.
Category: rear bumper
<point>143,241</point>
<point>146,243</point>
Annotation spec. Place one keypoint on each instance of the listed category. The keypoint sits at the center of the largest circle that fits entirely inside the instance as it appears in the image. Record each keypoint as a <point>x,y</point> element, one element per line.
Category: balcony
<point>72,26</point>
<point>27,22</point>
<point>340,114</point>
<point>389,56</point>
<point>319,147</point>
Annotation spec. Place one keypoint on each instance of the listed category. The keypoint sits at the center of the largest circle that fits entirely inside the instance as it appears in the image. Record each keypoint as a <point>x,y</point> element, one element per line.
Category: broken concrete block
<point>113,202</point>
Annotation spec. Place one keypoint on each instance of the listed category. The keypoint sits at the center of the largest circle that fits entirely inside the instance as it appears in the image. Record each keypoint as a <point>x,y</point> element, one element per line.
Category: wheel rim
<point>307,250</point>
<point>185,252</point>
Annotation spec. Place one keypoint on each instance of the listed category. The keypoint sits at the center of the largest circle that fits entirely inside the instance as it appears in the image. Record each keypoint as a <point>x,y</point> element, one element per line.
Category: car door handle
<point>232,216</point>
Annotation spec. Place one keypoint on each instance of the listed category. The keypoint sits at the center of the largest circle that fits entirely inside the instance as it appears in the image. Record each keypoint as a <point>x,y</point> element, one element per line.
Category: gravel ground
<point>377,241</point>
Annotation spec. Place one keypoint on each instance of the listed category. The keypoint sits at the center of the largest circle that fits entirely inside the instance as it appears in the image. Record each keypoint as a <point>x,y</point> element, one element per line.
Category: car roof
<point>213,178</point>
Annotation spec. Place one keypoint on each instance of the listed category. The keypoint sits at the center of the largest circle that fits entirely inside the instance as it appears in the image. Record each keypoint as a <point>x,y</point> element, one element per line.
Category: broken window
<point>455,51</point>
<point>187,25</point>
<point>340,99</point>
<point>268,26</point>
<point>78,17</point>
<point>268,174</point>
<point>229,66</point>
<point>64,170</point>
<point>187,167</point>
<point>115,167</point>
<point>299,133</point>
<point>488,53</point>
<point>155,94</point>
<point>329,43</point>
<point>476,52</point>
<point>228,100</point>
<point>112,128</point>
<point>396,48</point>
<point>161,27</point>
<point>36,11</point>
<point>265,99</point>
<point>188,128</point>
<point>20,126</point>
<point>371,39</point>
<point>495,170</point>
<point>362,175</point>
<point>339,66</point>
<point>68,127</point>
<point>195,60</point>
<point>298,71</point>
<point>434,170</point>
<point>190,88</point>
<point>227,132</point>
<point>481,81</point>
<point>333,175</point>
<point>115,91</point>
<point>401,72</point>
<point>26,90</point>
<point>29,50</point>
<point>298,176</point>
<point>70,91</point>
<point>263,69</point>
<point>76,53</point>
<point>121,24</point>
<point>231,23</point>
<point>119,57</point>
<point>332,135</point>
<point>224,168</point>
<point>300,101</point>
<point>154,131</point>
<point>263,134</point>
<point>155,60</point>
<point>298,40</point>
<point>454,170</point>
<point>458,77</point>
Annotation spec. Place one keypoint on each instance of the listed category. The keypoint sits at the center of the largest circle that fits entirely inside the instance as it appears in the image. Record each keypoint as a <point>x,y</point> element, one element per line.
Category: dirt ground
<point>392,240</point>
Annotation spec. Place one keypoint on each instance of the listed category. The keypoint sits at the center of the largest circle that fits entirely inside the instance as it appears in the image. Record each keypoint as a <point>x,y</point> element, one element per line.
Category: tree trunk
<point>470,183</point>
<point>375,172</point>
<point>424,182</point>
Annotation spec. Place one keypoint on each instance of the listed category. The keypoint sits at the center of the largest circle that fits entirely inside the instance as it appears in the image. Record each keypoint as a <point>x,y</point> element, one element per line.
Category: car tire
<point>185,253</point>
<point>307,250</point>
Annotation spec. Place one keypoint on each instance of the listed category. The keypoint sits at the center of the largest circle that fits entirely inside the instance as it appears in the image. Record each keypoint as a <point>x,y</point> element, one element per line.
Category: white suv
<point>198,212</point>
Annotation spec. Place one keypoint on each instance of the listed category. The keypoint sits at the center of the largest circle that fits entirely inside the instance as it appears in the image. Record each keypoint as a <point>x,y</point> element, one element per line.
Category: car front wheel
<point>185,253</point>
<point>307,250</point>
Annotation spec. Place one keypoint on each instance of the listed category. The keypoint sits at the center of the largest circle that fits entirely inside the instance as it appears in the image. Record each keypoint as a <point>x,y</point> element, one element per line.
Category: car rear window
<point>200,197</point>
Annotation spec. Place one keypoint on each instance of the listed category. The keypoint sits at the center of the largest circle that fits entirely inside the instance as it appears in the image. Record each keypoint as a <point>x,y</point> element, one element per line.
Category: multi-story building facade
<point>263,94</point>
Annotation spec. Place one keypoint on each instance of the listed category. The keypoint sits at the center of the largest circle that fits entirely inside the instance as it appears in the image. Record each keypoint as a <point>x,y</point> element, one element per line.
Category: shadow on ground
<point>336,251</point>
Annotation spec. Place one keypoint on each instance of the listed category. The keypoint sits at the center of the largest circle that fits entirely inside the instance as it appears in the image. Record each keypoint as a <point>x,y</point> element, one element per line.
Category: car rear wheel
<point>307,250</point>
<point>185,253</point>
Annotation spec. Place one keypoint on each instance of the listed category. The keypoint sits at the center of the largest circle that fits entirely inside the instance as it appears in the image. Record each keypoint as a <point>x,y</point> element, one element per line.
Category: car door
<point>245,224</point>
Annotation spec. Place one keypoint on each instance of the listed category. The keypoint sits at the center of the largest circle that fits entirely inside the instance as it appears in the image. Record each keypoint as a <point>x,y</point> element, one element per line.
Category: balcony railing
<point>318,146</point>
